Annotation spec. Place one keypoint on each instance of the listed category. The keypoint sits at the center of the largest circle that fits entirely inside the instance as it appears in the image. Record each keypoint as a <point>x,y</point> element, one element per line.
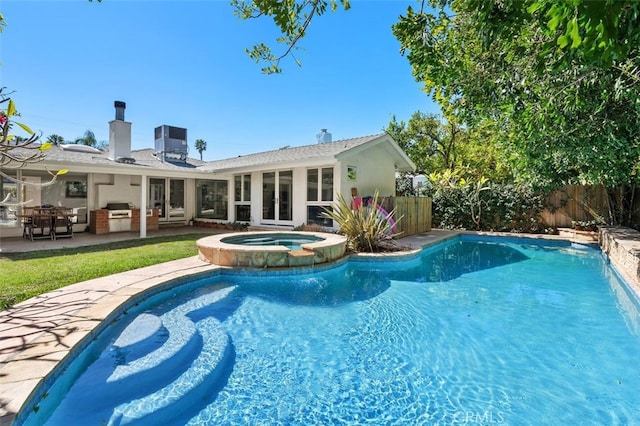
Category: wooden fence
<point>575,203</point>
<point>412,214</point>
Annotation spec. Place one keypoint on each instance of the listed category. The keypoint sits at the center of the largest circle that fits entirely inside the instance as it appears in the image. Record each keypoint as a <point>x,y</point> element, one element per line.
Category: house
<point>286,187</point>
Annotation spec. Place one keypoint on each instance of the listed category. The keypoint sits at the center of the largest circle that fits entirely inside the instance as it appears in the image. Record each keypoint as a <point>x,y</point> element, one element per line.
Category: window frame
<point>320,193</point>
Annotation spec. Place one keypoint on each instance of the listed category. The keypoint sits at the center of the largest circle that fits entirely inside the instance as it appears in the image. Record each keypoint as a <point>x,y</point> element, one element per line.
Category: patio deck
<point>18,244</point>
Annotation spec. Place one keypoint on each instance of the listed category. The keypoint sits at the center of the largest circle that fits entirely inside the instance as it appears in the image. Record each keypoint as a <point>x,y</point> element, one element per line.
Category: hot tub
<point>269,249</point>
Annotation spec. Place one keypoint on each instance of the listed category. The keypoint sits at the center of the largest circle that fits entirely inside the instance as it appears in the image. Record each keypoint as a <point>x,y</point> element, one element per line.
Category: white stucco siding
<point>299,196</point>
<point>118,190</point>
<point>256,197</point>
<point>375,170</point>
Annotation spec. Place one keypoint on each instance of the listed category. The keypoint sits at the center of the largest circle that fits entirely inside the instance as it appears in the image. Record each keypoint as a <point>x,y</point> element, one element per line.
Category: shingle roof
<point>288,154</point>
<point>145,158</point>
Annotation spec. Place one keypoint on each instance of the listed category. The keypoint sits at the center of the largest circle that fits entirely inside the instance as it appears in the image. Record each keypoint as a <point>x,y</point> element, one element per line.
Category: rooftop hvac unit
<point>171,143</point>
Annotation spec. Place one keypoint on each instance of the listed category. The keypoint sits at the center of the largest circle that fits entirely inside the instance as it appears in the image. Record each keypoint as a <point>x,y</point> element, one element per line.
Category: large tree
<point>437,144</point>
<point>567,108</point>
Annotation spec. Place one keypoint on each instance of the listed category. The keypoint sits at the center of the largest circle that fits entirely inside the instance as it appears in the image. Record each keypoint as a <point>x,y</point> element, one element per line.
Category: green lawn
<point>24,275</point>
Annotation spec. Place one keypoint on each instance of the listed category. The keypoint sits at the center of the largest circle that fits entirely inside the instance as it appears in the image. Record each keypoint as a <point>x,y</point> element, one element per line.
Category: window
<point>243,213</point>
<point>212,199</point>
<point>9,192</point>
<point>327,184</point>
<point>312,185</point>
<point>242,197</point>
<point>319,194</point>
<point>242,188</point>
<point>314,216</point>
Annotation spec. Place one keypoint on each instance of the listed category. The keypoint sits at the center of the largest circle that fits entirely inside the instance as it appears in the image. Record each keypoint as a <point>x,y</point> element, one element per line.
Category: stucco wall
<point>118,190</point>
<point>375,171</point>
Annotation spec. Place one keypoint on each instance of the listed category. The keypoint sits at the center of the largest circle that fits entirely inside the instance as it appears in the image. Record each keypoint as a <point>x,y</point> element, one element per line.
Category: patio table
<point>52,223</point>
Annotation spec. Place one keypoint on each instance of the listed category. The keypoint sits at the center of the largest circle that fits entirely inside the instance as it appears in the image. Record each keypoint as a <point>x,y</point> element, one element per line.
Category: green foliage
<point>291,17</point>
<point>557,82</point>
<point>437,145</point>
<point>596,32</point>
<point>480,205</point>
<point>429,142</point>
<point>17,151</point>
<point>365,229</point>
<point>89,139</point>
<point>55,139</point>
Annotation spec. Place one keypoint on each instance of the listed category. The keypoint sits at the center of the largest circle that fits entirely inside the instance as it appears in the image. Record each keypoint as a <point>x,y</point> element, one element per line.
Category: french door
<point>277,201</point>
<point>172,207</point>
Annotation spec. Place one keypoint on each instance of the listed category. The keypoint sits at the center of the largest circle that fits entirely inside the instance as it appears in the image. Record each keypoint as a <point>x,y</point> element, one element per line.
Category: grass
<point>26,275</point>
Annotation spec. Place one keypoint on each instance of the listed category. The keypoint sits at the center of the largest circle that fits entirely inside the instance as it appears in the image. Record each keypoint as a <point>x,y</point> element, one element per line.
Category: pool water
<point>471,332</point>
<point>291,241</point>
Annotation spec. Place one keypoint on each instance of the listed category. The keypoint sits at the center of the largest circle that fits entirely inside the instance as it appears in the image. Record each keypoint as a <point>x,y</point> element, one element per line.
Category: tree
<point>55,139</point>
<point>437,145</point>
<point>89,139</point>
<point>292,17</point>
<point>566,115</point>
<point>201,146</point>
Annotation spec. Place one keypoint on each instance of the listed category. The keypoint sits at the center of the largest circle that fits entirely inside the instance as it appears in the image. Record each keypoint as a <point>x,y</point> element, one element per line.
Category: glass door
<point>277,203</point>
<point>176,199</point>
<point>156,196</point>
<point>171,207</point>
<point>269,196</point>
<point>285,185</point>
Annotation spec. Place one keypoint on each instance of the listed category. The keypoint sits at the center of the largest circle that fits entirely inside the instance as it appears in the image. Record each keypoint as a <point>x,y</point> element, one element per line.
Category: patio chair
<point>41,224</point>
<point>62,226</point>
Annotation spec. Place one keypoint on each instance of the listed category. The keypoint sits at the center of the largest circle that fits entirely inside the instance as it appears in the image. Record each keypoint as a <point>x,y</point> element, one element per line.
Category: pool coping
<point>38,334</point>
<point>215,250</point>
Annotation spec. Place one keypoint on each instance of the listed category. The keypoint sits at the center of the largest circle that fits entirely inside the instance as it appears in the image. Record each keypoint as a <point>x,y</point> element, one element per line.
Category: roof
<point>146,160</point>
<point>289,154</point>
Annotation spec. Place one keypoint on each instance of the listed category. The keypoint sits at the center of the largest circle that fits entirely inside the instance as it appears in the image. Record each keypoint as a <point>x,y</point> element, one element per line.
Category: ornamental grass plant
<point>366,229</point>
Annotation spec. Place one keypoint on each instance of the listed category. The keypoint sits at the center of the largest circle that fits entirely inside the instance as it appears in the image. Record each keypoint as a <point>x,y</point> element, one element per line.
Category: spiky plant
<point>366,230</point>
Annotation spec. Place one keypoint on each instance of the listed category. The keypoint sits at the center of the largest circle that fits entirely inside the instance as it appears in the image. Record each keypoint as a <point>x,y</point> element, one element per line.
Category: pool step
<point>185,396</point>
<point>301,257</point>
<point>151,355</point>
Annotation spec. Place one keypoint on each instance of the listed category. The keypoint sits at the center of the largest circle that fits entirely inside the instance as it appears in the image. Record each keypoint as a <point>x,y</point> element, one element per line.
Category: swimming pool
<point>471,331</point>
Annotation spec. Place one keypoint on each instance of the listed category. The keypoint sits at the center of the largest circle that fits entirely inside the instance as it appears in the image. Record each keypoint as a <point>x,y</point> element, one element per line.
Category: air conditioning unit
<point>171,143</point>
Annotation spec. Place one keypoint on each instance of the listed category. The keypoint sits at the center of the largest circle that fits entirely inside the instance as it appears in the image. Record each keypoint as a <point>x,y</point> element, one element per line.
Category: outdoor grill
<point>119,217</point>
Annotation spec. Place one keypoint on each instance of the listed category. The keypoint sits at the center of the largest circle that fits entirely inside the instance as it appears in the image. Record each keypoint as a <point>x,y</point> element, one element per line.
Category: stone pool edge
<point>41,332</point>
<point>56,323</point>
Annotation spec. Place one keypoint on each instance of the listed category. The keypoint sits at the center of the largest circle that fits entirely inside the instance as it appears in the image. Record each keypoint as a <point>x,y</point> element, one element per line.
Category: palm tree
<point>55,139</point>
<point>88,139</point>
<point>201,145</point>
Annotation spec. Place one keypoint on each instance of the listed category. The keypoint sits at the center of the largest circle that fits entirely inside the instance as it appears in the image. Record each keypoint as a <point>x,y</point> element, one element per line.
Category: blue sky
<point>182,63</point>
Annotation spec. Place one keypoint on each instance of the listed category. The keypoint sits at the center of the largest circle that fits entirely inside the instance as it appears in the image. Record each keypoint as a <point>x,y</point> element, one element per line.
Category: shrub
<point>366,230</point>
<point>458,204</point>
